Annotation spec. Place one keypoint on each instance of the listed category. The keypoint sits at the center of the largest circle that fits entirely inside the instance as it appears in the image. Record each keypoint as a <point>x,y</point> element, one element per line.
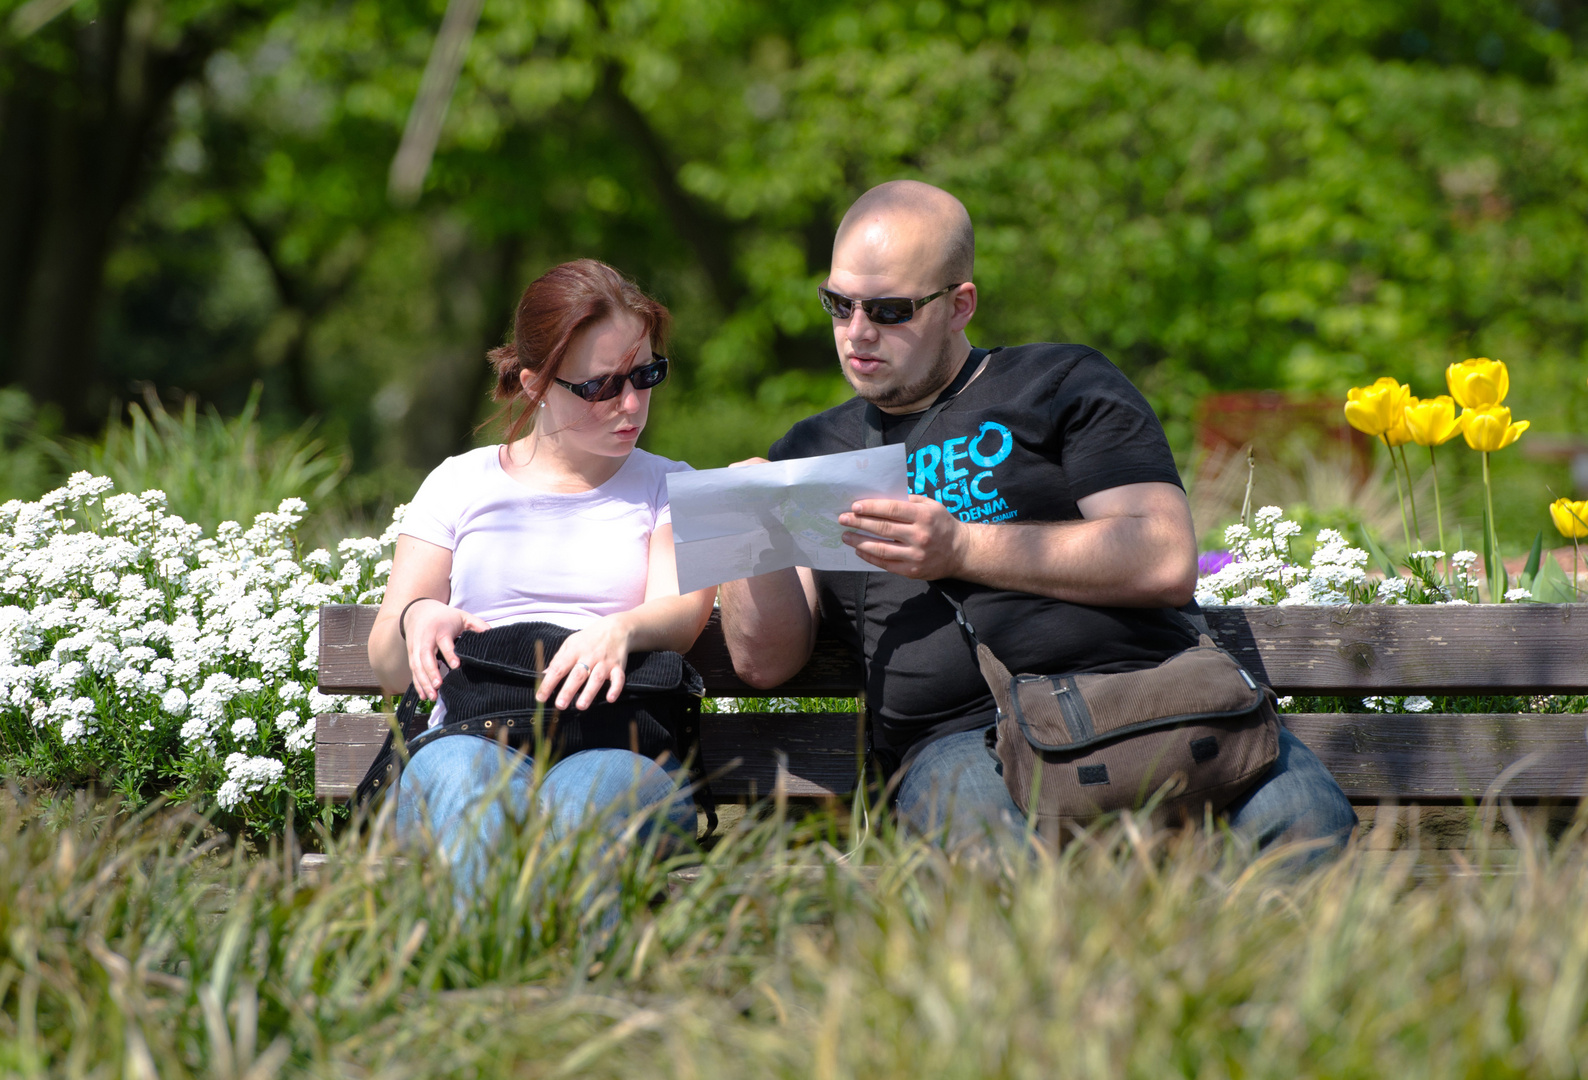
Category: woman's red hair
<point>555,309</point>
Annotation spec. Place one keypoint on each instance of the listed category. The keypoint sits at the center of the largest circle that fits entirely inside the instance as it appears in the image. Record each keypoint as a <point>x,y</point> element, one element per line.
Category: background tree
<point>1240,193</point>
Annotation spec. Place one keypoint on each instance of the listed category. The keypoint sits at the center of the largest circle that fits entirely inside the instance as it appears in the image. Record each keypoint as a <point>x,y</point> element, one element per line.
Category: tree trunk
<point>81,122</point>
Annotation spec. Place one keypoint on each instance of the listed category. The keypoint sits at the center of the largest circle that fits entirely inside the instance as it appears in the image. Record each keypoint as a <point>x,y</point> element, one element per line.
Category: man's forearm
<point>1109,562</point>
<point>768,625</point>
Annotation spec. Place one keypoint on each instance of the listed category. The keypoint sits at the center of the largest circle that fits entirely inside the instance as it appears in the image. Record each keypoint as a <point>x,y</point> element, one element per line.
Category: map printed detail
<point>735,523</point>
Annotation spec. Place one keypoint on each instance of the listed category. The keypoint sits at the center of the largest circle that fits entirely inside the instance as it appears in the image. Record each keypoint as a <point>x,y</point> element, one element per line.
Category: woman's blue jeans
<point>954,792</point>
<point>458,792</point>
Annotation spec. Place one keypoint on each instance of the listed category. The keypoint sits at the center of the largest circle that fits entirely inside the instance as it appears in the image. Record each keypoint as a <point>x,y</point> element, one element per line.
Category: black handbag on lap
<point>491,695</point>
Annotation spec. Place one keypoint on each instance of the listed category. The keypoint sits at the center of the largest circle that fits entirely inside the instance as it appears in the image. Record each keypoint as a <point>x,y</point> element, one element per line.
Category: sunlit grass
<point>144,945</point>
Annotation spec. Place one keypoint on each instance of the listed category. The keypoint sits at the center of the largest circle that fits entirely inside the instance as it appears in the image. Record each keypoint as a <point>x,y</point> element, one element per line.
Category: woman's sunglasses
<point>610,386</point>
<point>882,310</point>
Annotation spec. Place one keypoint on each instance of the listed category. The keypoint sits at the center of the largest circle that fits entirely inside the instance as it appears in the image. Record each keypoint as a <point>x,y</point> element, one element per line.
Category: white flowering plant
<point>1263,568</point>
<point>141,655</point>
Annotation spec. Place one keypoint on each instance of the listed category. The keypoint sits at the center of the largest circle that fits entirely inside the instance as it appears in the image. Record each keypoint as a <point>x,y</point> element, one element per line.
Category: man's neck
<point>962,346</point>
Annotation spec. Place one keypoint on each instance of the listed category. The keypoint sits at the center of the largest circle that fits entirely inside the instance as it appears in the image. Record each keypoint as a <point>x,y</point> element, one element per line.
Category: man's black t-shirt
<point>1040,428</point>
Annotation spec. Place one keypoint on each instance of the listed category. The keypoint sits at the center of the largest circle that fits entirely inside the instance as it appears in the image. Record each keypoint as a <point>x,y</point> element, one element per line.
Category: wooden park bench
<point>1360,651</point>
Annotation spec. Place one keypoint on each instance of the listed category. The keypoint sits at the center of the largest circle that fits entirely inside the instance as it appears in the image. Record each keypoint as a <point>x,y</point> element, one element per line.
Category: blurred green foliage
<point>212,468</point>
<point>1234,193</point>
<point>32,459</point>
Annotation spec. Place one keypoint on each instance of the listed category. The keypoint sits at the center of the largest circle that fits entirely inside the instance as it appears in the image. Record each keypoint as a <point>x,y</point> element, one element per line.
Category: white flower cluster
<point>1265,572</point>
<point>1336,566</point>
<point>125,632</point>
<point>1414,704</point>
<point>247,776</point>
<point>1262,570</point>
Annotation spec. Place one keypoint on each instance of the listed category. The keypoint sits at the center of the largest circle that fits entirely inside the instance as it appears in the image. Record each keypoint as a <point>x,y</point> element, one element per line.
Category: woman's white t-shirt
<point>520,555</point>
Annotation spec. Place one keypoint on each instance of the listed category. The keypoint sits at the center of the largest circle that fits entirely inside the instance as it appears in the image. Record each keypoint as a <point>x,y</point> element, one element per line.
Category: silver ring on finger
<point>583,665</point>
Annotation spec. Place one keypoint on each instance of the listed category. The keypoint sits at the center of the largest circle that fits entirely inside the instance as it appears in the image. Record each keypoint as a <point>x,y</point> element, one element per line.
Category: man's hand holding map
<point>735,523</point>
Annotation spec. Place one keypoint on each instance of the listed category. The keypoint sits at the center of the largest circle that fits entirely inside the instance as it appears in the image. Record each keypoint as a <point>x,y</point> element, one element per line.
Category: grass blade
<point>1385,563</point>
<point>1530,571</point>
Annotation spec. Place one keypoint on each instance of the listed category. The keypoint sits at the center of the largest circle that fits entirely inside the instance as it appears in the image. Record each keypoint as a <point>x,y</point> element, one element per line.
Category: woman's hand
<point>431,627</point>
<point>588,658</point>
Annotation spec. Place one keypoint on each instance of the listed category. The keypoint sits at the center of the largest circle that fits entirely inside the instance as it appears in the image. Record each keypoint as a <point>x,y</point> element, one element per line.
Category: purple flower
<point>1211,562</point>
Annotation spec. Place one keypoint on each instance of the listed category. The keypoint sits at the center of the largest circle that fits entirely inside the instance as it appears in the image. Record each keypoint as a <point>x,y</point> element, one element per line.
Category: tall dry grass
<point>144,946</point>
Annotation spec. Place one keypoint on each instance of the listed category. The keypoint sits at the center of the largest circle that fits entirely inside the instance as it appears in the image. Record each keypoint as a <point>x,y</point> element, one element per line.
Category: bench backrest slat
<point>1411,649</point>
<point>1353,651</point>
<point>344,660</point>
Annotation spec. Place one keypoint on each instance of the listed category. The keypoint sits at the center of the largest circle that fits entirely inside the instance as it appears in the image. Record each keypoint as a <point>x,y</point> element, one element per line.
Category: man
<point>1043,497</point>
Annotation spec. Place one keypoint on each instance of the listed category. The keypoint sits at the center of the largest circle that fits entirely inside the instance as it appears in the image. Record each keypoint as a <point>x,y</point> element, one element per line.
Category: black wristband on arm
<point>402,631</point>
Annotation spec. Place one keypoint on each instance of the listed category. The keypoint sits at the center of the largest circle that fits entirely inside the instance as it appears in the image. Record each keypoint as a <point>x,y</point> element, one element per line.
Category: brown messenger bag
<point>1196,730</point>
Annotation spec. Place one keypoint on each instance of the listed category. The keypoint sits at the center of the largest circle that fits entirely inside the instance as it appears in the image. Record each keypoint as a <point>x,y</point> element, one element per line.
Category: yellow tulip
<point>1432,421</point>
<point>1490,428</point>
<point>1570,517</point>
<point>1400,434</point>
<point>1478,383</point>
<point>1377,409</point>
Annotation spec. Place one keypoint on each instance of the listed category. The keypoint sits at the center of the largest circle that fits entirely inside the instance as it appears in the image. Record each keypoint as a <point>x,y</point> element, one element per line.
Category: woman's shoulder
<point>459,478</point>
<point>481,461</point>
<point>649,464</point>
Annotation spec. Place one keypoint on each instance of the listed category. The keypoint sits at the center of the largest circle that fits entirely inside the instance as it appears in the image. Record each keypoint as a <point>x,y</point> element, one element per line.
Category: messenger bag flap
<point>1070,713</point>
<point>514,654</point>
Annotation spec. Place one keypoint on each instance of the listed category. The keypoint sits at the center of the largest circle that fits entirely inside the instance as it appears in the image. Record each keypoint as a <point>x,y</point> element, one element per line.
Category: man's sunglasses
<point>610,386</point>
<point>882,310</point>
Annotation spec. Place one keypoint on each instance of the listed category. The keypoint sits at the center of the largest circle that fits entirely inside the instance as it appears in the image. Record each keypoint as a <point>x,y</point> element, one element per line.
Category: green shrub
<point>212,469</point>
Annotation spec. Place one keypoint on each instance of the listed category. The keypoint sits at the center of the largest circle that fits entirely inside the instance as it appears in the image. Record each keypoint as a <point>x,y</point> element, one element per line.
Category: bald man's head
<point>913,241</point>
<point>935,221</point>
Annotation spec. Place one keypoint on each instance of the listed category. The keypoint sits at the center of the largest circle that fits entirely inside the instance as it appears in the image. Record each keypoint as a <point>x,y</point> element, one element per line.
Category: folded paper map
<point>735,523</point>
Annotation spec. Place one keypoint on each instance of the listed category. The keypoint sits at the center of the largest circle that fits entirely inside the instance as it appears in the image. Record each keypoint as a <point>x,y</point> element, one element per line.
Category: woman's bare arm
<point>420,571</point>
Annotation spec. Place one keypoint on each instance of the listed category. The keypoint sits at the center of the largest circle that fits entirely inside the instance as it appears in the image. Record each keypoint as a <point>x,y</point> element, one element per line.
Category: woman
<point>565,522</point>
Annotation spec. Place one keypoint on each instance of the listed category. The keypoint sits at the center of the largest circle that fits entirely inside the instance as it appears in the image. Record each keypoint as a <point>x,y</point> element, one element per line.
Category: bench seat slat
<point>344,746</point>
<point>1408,757</point>
<point>818,748</point>
<point>1450,757</point>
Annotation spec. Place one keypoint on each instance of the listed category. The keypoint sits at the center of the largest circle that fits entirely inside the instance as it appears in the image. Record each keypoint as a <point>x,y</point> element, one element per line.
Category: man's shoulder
<point>1054,372</point>
<point>1049,356</point>
<point>830,431</point>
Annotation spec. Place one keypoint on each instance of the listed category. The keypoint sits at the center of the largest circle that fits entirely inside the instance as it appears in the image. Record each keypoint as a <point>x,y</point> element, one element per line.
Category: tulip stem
<point>1400,493</point>
<point>1496,571</point>
<point>1439,512</point>
<point>1411,497</point>
<point>1574,593</point>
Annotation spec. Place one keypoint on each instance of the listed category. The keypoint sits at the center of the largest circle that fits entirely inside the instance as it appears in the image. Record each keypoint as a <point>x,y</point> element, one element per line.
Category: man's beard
<point>937,375</point>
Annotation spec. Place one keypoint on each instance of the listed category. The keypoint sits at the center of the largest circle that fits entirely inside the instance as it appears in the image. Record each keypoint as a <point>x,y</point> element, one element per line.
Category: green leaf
<point>1530,571</point>
<point>1551,585</point>
<point>1385,563</point>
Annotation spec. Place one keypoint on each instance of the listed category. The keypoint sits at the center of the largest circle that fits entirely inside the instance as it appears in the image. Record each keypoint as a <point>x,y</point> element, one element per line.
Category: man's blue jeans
<point>954,793</point>
<point>459,791</point>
